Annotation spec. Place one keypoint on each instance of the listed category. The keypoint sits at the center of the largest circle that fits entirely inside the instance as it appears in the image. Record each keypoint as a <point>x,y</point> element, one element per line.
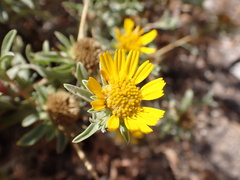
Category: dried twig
<point>83,20</point>
<point>173,45</point>
<point>82,156</point>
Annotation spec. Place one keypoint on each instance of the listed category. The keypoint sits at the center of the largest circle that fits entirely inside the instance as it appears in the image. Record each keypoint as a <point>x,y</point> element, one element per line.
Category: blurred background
<point>198,55</point>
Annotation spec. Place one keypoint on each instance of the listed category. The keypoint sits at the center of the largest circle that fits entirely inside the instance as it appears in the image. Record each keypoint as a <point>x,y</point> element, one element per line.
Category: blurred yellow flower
<point>133,39</point>
<point>120,94</point>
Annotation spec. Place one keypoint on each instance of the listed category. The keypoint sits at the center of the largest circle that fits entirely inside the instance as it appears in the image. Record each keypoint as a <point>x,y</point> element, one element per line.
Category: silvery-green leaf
<point>42,94</point>
<point>50,133</point>
<point>65,68</point>
<point>46,58</point>
<point>72,39</point>
<point>46,46</point>
<point>33,136</point>
<point>7,55</point>
<point>82,73</point>
<point>29,120</point>
<point>124,132</point>
<point>186,100</point>
<point>91,129</point>
<point>61,142</point>
<point>7,42</point>
<point>29,3</point>
<point>28,52</point>
<point>82,93</point>
<point>63,39</point>
<point>5,61</point>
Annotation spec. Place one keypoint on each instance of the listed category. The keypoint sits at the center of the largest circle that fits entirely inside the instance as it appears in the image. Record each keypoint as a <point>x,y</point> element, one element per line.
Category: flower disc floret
<point>123,98</point>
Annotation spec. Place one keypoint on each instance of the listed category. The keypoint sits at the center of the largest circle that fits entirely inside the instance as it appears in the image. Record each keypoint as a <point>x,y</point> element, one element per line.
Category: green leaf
<point>46,46</point>
<point>7,42</point>
<point>29,3</point>
<point>79,91</point>
<point>42,94</point>
<point>124,132</point>
<point>46,58</point>
<point>29,120</point>
<point>33,136</point>
<point>61,142</point>
<point>72,40</point>
<point>186,101</point>
<point>65,68</point>
<point>50,133</point>
<point>81,73</point>
<point>91,129</point>
<point>63,39</point>
<point>7,55</point>
<point>28,52</point>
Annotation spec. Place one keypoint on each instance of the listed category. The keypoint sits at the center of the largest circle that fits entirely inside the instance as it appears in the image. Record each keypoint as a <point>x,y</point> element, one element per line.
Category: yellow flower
<point>120,94</point>
<point>133,39</point>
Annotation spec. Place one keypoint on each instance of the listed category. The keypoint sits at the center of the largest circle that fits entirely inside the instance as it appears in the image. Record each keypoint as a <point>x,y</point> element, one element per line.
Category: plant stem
<point>82,156</point>
<point>173,45</point>
<point>21,92</point>
<point>83,20</point>
<point>87,164</point>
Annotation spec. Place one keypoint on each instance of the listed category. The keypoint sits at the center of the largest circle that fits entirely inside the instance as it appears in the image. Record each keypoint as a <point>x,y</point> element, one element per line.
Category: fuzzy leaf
<point>33,136</point>
<point>124,132</point>
<point>81,72</point>
<point>91,129</point>
<point>63,39</point>
<point>186,101</point>
<point>29,120</point>
<point>7,42</point>
<point>61,142</point>
<point>50,133</point>
<point>82,93</point>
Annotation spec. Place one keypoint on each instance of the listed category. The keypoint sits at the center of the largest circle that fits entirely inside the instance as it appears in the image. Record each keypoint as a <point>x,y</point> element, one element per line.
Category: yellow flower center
<point>123,98</point>
<point>130,41</point>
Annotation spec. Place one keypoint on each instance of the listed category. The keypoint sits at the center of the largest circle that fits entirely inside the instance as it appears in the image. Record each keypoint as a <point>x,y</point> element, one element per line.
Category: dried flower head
<point>87,51</point>
<point>63,109</point>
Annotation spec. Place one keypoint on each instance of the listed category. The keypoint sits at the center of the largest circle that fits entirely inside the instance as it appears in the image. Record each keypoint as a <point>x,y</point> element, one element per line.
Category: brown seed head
<point>62,109</point>
<point>87,51</point>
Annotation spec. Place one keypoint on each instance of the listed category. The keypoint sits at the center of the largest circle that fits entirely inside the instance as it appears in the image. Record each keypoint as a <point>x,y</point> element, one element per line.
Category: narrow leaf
<point>91,129</point>
<point>29,120</point>
<point>33,136</point>
<point>7,42</point>
<point>61,142</point>
<point>82,93</point>
<point>63,39</point>
<point>124,132</point>
<point>81,72</point>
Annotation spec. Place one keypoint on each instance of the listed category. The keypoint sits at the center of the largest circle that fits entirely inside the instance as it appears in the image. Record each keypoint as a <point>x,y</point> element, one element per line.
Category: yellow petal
<point>128,25</point>
<point>147,50</point>
<point>142,72</point>
<point>95,87</point>
<point>131,124</point>
<point>151,116</point>
<point>153,89</point>
<point>131,63</point>
<point>113,123</point>
<point>144,128</point>
<point>119,60</point>
<point>148,37</point>
<point>98,105</point>
<point>104,75</point>
<point>106,63</point>
<point>118,33</point>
